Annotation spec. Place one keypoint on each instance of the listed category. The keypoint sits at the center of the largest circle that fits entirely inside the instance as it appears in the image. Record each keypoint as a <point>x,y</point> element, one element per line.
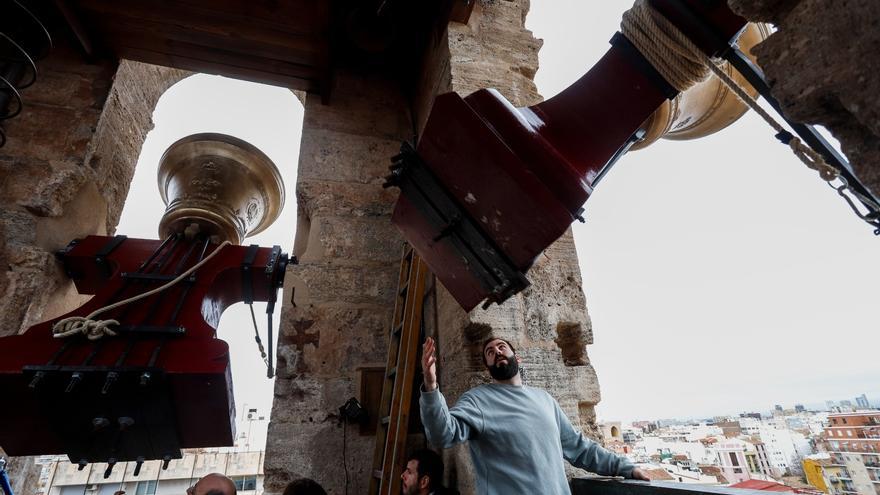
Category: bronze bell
<point>707,107</point>
<point>227,187</point>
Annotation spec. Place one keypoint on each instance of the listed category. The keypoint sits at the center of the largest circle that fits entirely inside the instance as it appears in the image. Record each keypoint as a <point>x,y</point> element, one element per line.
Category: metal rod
<point>178,269</point>
<point>187,287</point>
<point>154,356</point>
<point>156,267</point>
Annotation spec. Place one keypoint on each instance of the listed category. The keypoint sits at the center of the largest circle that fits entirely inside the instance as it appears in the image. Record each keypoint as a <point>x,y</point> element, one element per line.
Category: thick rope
<point>683,64</point>
<point>96,329</point>
<point>806,154</point>
<point>672,53</point>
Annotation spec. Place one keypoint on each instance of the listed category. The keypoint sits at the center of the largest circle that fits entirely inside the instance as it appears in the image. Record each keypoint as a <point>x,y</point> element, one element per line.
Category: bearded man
<point>518,435</point>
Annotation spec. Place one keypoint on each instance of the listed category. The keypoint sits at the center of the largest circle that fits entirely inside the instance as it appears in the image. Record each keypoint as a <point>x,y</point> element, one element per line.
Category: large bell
<point>224,185</point>
<point>707,107</point>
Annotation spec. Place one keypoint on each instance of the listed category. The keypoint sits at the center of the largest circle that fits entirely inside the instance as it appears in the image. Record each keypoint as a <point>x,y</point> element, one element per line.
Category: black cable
<point>27,61</point>
<point>257,335</point>
<point>13,92</point>
<point>42,27</point>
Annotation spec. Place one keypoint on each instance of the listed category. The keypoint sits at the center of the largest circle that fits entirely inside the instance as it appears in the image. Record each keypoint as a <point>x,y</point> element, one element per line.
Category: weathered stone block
<point>362,106</point>
<point>352,239</point>
<point>327,155</point>
<point>345,199</point>
<point>326,452</point>
<point>329,340</point>
<point>359,283</point>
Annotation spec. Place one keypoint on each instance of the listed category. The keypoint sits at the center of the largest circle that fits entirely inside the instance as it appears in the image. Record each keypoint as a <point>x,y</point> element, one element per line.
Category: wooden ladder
<point>400,369</point>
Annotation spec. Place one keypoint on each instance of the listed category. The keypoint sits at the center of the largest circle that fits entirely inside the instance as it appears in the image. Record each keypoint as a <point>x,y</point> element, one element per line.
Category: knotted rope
<point>96,329</point>
<point>683,64</point>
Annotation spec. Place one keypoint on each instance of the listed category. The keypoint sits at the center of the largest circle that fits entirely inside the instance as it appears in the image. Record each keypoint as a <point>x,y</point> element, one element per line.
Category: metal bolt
<point>74,381</point>
<point>100,423</point>
<point>38,377</point>
<point>112,377</point>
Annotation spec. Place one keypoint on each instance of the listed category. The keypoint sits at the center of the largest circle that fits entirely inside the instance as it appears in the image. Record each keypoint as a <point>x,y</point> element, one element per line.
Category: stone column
<point>65,173</point>
<point>821,63</point>
<point>548,323</point>
<point>338,302</point>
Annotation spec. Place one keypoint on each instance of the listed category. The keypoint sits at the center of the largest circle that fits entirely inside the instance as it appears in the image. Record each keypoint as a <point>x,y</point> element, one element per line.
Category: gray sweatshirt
<point>518,437</point>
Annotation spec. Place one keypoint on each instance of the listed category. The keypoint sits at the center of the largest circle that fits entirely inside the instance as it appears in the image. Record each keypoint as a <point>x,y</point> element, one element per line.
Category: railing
<point>586,486</point>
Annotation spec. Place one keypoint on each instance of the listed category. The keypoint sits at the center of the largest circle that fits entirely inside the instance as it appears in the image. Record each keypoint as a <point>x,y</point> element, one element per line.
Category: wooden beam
<point>194,64</point>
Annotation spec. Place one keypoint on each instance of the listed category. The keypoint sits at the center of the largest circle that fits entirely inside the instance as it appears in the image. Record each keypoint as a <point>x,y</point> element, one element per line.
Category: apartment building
<point>853,441</point>
<point>244,468</point>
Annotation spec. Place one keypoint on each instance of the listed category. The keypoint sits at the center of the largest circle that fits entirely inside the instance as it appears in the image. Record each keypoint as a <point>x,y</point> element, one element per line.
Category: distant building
<point>862,402</point>
<point>730,429</point>
<point>846,406</point>
<point>752,415</point>
<point>244,468</point>
<point>689,474</point>
<point>853,442</point>
<point>731,456</point>
<point>777,409</point>
<point>645,426</point>
<point>799,408</point>
<point>759,462</point>
<point>817,471</point>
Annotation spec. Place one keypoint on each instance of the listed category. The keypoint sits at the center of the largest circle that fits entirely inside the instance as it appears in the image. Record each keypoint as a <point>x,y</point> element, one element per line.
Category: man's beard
<point>505,370</point>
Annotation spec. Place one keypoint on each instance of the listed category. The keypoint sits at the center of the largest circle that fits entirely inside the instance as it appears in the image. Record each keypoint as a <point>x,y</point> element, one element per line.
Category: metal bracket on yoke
<point>247,281</point>
<point>486,262</point>
<point>638,60</point>
<point>275,268</point>
<point>101,255</point>
<point>624,148</point>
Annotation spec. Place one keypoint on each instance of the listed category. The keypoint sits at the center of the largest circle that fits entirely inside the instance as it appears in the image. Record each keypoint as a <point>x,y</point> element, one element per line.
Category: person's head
<point>423,473</point>
<point>304,486</point>
<point>213,484</point>
<point>500,358</point>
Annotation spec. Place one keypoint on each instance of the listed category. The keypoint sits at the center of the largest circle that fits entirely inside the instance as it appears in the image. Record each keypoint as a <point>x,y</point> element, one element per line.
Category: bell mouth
<point>223,184</point>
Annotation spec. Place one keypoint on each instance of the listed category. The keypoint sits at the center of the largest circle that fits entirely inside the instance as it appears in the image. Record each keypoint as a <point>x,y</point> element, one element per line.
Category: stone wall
<point>548,323</point>
<point>821,63</point>
<point>64,173</point>
<point>338,301</point>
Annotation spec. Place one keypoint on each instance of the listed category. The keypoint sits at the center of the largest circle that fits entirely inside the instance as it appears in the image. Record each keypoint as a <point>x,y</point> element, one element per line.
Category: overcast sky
<point>721,275</point>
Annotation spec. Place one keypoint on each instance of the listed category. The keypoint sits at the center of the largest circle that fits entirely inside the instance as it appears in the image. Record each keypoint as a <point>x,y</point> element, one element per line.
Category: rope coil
<point>672,53</point>
<point>96,329</point>
<point>683,64</point>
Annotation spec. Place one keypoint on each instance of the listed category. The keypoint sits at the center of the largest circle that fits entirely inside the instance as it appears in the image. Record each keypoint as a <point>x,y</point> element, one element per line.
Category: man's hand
<point>638,474</point>
<point>429,365</point>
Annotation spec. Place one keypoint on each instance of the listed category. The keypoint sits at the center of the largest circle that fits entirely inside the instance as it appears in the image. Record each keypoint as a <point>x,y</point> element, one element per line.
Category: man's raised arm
<point>445,427</point>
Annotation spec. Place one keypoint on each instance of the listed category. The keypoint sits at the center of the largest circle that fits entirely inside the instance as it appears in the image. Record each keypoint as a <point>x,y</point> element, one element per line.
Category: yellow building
<point>824,474</point>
